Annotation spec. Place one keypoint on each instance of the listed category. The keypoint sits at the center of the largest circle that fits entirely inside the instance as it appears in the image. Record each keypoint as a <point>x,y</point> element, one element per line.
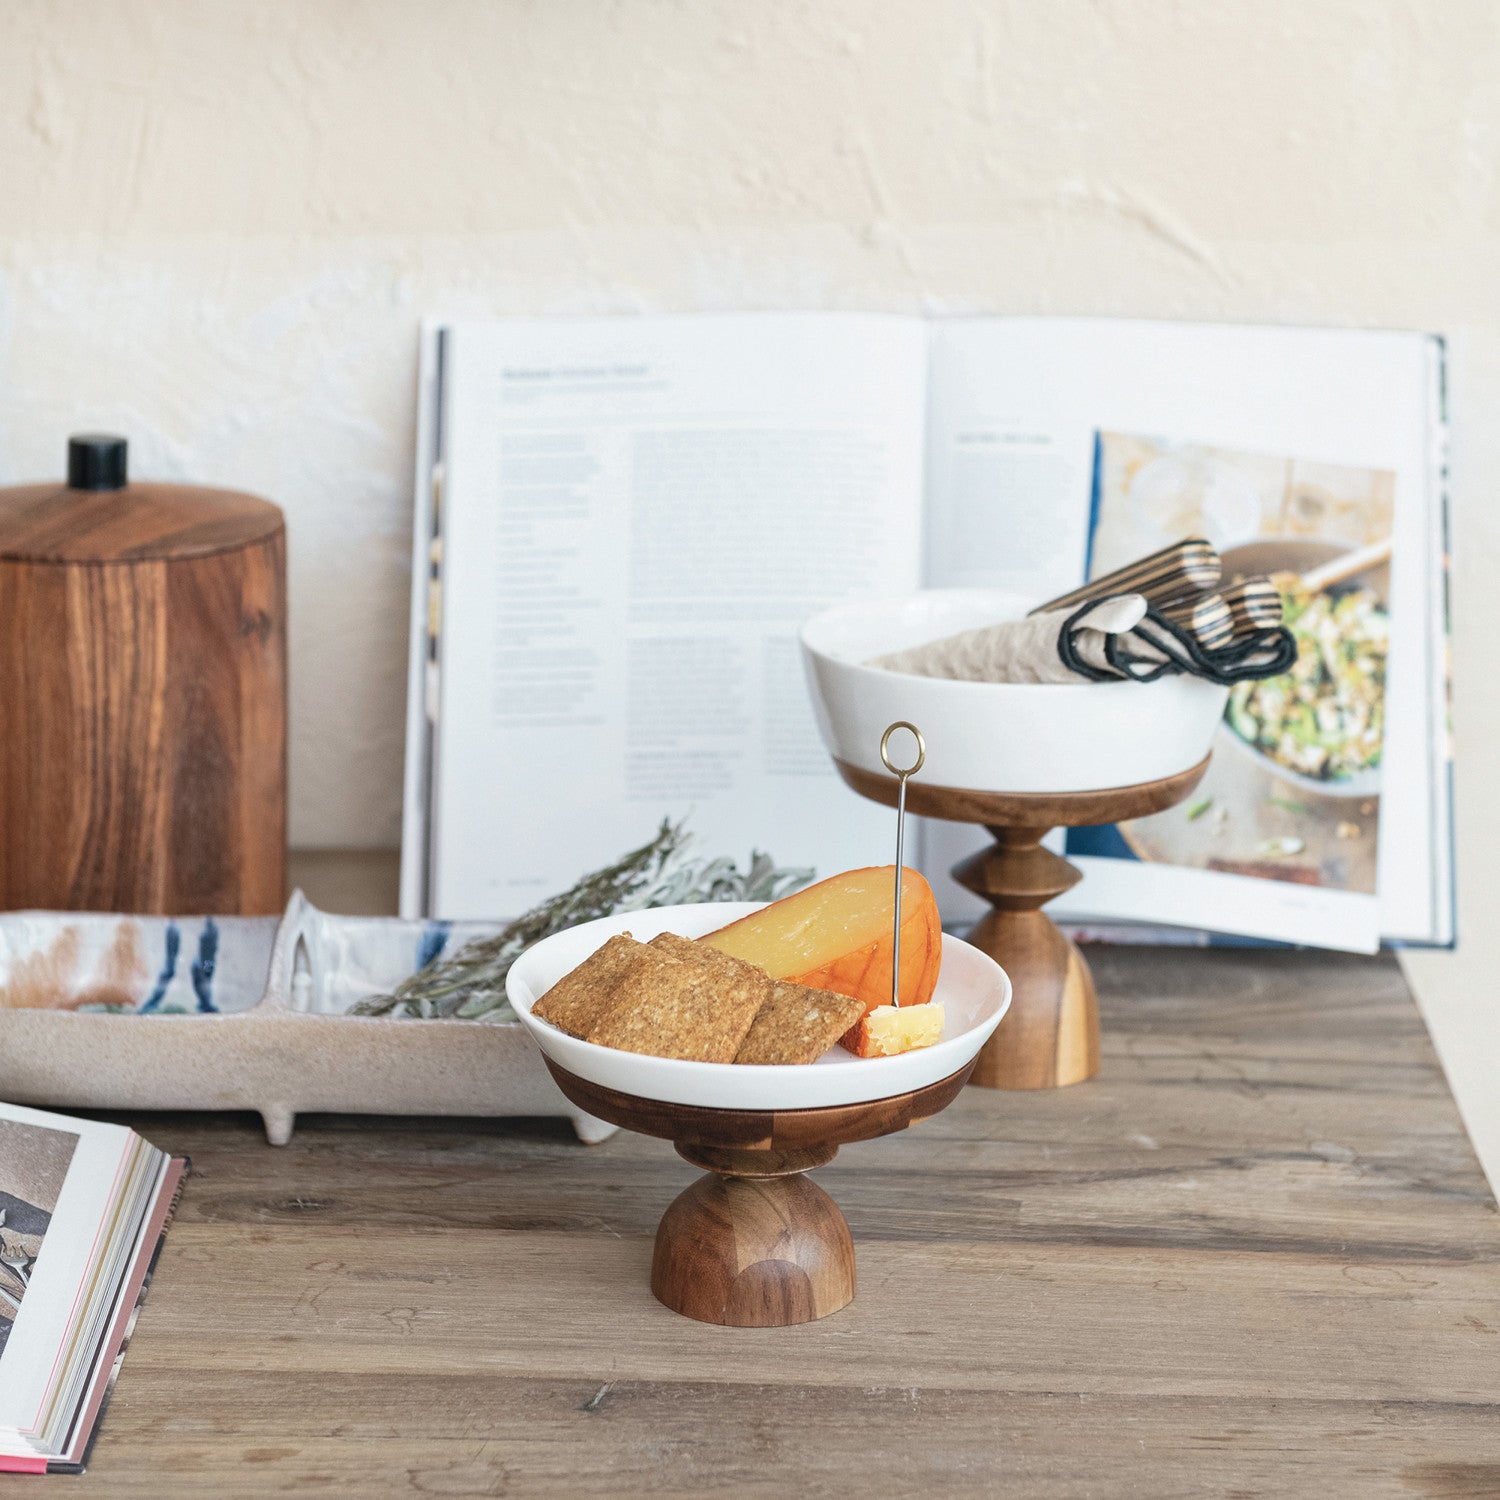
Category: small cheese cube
<point>887,1030</point>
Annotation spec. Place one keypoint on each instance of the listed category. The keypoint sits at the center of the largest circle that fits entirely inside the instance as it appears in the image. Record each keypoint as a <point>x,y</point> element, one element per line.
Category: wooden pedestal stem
<point>754,1243</point>
<point>1050,1035</point>
<point>1052,1027</point>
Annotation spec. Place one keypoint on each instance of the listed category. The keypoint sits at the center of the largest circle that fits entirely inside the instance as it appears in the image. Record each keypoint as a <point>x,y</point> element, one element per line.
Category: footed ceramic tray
<point>114,1012</point>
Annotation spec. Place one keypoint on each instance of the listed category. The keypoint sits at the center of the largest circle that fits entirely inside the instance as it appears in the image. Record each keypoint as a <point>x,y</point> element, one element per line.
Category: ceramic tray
<point>110,1012</point>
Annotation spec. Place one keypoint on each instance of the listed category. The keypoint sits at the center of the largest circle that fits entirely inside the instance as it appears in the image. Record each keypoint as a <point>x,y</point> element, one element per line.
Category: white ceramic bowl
<point>995,737</point>
<point>972,987</point>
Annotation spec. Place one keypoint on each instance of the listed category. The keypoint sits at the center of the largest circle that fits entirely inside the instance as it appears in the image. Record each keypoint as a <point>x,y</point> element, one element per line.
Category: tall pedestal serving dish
<point>1018,760</point>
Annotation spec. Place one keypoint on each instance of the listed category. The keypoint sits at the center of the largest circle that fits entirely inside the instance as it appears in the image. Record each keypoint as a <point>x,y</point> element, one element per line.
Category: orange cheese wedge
<point>837,935</point>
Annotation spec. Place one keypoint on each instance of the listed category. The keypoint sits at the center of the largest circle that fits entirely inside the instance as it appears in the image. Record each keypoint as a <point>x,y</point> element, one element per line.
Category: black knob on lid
<point>96,461</point>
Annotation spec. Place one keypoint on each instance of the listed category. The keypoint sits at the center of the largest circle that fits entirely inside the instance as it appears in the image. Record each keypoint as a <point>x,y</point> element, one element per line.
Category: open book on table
<point>621,524</point>
<point>83,1208</point>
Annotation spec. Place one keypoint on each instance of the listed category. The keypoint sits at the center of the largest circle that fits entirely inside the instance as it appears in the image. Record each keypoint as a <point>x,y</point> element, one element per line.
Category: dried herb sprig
<point>471,984</point>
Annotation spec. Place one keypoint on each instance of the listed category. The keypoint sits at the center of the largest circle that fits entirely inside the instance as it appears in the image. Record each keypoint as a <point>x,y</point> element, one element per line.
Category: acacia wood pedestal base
<point>1050,1034</point>
<point>758,1246</point>
<point>754,1243</point>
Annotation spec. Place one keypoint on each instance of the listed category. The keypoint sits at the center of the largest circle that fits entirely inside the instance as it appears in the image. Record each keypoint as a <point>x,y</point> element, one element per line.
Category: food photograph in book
<point>1292,792</point>
<point>34,1162</point>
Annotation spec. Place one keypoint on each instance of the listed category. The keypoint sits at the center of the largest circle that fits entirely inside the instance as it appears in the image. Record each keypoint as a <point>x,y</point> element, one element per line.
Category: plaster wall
<point>220,225</point>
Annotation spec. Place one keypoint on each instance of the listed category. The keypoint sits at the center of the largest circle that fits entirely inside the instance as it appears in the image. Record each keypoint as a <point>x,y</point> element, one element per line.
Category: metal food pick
<point>901,774</point>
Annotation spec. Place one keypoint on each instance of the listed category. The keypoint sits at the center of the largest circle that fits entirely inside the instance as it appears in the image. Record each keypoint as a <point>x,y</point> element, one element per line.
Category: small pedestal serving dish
<point>753,1243</point>
<point>1018,759</point>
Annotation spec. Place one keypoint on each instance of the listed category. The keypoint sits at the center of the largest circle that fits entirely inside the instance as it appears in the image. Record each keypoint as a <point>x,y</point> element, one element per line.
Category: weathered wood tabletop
<point>1255,1257</point>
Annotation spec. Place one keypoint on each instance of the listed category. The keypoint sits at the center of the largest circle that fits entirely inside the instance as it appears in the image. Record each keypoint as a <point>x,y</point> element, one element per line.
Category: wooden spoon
<point>1346,565</point>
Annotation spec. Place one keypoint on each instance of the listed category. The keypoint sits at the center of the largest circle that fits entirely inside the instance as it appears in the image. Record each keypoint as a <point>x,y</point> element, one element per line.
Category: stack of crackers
<point>673,997</point>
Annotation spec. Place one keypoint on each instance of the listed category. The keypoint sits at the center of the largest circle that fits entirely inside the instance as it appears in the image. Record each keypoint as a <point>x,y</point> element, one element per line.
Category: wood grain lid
<point>48,523</point>
<point>98,518</point>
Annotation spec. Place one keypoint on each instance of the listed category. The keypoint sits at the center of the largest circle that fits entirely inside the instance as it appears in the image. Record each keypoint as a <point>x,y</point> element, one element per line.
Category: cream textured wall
<point>220,225</point>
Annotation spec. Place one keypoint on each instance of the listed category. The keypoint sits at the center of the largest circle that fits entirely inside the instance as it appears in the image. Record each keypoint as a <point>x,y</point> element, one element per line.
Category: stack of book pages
<point>83,1208</point>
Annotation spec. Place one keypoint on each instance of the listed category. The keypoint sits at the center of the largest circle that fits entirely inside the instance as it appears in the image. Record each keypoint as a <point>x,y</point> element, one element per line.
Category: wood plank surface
<point>1254,1257</point>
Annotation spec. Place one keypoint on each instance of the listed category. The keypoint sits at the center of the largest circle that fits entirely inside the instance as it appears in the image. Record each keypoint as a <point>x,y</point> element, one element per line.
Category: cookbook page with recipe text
<point>639,515</point>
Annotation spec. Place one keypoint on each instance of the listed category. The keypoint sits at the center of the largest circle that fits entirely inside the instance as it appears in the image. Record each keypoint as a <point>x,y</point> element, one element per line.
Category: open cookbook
<point>622,523</point>
<point>83,1208</point>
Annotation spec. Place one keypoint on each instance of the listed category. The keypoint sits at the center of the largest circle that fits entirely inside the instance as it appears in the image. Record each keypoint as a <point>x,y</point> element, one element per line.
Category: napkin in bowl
<point>1118,638</point>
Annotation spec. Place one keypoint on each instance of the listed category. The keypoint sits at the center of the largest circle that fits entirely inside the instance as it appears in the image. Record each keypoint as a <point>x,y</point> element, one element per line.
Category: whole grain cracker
<point>583,996</point>
<point>696,1011</point>
<point>798,1024</point>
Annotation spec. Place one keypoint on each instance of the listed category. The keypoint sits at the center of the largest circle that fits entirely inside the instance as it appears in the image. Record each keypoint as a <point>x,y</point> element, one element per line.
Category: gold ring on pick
<point>885,752</point>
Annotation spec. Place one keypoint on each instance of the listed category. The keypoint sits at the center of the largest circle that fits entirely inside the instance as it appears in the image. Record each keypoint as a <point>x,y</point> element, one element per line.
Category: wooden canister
<point>142,694</point>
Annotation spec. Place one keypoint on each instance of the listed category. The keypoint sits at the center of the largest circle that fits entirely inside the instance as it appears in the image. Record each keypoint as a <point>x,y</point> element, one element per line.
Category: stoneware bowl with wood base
<point>754,1243</point>
<point>1019,759</point>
